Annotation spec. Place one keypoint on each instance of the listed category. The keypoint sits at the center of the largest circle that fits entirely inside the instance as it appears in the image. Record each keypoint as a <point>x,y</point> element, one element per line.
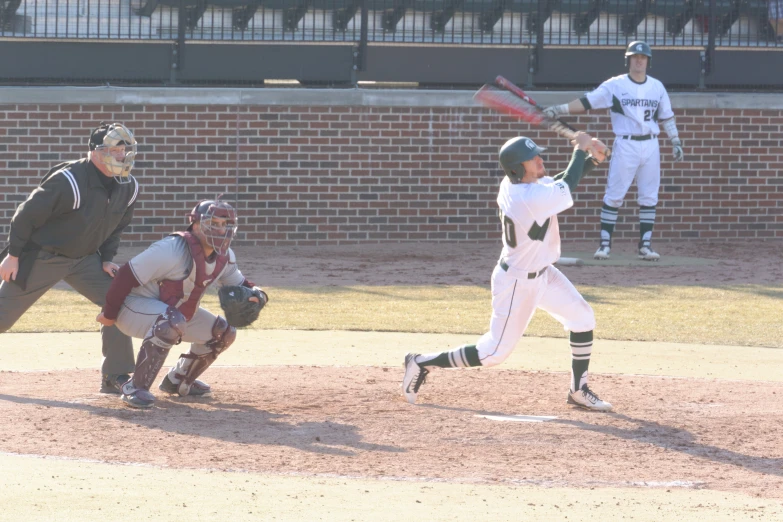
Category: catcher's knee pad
<point>168,328</point>
<point>190,366</point>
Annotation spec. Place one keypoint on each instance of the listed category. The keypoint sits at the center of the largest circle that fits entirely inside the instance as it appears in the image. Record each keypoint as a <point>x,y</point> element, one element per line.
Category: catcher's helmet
<point>218,223</point>
<point>107,139</point>
<point>515,152</point>
<point>639,47</point>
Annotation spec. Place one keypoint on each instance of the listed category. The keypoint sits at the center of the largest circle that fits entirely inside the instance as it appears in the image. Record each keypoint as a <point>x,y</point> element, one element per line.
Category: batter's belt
<point>516,273</point>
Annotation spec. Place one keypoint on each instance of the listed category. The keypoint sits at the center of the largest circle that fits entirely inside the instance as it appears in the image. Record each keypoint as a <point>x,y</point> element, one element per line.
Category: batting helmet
<point>638,47</point>
<point>515,152</point>
<point>107,139</point>
<point>217,221</point>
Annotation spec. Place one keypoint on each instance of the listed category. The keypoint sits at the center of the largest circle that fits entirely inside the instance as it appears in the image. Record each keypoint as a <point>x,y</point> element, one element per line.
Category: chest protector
<point>185,295</point>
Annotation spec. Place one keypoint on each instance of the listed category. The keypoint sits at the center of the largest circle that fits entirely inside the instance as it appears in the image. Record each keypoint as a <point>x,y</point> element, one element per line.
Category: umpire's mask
<point>116,150</point>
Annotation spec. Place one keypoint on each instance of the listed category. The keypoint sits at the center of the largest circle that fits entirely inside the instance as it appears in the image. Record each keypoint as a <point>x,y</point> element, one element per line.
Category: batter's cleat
<point>141,399</point>
<point>414,377</point>
<point>646,253</point>
<point>197,389</point>
<point>113,383</point>
<point>587,399</point>
<point>602,254</point>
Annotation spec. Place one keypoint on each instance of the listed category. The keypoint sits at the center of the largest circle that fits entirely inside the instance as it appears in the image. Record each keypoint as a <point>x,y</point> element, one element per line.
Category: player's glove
<point>236,304</point>
<point>677,149</point>
<point>555,111</point>
<point>599,152</point>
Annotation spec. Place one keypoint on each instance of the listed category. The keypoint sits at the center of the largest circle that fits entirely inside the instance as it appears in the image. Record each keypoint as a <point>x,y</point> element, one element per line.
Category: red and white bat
<point>509,99</point>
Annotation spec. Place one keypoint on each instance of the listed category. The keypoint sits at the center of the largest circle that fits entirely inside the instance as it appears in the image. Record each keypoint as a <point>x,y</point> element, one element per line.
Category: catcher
<point>156,296</point>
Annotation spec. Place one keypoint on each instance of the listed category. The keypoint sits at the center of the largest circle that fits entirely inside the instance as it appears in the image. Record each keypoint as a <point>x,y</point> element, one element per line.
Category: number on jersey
<point>536,232</point>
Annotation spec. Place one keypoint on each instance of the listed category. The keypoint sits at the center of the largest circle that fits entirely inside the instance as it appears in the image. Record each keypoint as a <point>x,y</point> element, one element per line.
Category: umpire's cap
<point>515,152</point>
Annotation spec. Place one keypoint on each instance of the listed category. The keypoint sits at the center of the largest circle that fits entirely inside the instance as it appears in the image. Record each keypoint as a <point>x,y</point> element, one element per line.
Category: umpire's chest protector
<point>185,294</point>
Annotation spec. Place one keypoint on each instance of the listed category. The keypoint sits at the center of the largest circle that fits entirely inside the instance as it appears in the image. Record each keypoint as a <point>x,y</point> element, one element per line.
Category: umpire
<point>68,230</point>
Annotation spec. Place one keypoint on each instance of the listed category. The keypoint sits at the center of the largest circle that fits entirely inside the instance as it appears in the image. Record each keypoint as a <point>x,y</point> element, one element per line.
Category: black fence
<point>418,35</point>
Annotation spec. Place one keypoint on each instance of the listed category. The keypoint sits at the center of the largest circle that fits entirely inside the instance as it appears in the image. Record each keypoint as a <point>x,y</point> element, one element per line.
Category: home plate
<point>518,418</point>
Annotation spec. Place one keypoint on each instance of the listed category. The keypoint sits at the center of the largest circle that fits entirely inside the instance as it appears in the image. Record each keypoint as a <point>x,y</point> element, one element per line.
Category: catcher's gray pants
<point>138,315</point>
<point>87,277</point>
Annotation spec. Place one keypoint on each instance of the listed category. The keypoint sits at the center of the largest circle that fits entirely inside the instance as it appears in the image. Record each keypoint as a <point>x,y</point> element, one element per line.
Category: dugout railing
<point>734,44</point>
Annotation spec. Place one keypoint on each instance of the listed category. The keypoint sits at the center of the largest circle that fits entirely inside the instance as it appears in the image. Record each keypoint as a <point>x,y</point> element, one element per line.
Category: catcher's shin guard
<point>190,365</point>
<point>167,330</point>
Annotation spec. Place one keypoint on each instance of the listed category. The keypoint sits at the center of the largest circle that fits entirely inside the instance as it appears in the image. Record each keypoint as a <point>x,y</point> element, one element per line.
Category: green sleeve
<point>576,169</point>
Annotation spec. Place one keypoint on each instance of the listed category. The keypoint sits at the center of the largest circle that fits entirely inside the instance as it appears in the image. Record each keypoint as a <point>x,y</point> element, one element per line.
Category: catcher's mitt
<point>236,304</point>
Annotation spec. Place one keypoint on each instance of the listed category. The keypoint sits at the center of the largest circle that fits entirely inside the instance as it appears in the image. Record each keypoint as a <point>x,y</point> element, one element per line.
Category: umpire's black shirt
<point>74,212</point>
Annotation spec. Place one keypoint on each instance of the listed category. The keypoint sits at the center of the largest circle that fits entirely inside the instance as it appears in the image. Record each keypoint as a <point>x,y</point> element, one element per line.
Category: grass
<point>742,315</point>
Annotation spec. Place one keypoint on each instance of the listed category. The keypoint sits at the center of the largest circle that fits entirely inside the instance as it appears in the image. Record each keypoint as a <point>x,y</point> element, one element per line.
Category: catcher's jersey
<point>170,259</point>
<point>528,211</point>
<point>636,108</point>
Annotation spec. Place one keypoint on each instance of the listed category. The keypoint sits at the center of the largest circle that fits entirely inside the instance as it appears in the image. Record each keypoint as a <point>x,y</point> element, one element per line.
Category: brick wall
<point>327,173</point>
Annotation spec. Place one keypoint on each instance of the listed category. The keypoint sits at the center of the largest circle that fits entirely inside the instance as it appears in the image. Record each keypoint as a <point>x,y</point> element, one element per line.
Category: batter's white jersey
<point>635,107</point>
<point>531,234</point>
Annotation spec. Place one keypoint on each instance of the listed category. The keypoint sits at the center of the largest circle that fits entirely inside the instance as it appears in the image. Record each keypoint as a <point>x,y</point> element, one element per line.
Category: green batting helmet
<point>515,152</point>
<point>638,47</point>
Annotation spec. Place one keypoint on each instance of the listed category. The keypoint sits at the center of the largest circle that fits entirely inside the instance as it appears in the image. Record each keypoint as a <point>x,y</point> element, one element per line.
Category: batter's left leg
<point>564,302</point>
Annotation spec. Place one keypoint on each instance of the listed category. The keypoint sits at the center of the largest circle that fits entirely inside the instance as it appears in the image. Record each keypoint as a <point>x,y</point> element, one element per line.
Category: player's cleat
<point>414,377</point>
<point>602,253</point>
<point>646,253</point>
<point>587,399</point>
<point>113,383</point>
<point>141,399</point>
<point>197,389</point>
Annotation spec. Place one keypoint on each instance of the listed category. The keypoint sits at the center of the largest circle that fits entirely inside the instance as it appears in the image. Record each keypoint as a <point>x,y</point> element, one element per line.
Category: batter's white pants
<point>514,301</point>
<point>640,160</point>
<point>138,315</point>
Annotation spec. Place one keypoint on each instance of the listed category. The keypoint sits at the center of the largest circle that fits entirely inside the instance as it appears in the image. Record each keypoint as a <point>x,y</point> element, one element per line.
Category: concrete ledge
<point>337,97</point>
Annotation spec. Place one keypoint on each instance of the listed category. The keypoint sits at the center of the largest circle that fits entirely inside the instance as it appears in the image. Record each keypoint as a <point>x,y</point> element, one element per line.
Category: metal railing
<point>729,23</point>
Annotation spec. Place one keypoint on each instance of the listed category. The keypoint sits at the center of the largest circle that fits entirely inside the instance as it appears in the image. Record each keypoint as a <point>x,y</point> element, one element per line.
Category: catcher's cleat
<point>414,377</point>
<point>141,399</point>
<point>587,399</point>
<point>197,389</point>
<point>113,383</point>
<point>646,253</point>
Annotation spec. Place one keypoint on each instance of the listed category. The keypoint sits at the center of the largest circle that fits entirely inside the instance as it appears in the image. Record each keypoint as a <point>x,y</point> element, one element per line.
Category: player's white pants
<point>138,315</point>
<point>514,301</point>
<point>634,159</point>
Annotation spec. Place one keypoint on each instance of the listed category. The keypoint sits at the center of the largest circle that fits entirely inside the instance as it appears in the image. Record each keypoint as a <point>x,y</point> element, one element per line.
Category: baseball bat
<point>559,126</point>
<point>504,83</point>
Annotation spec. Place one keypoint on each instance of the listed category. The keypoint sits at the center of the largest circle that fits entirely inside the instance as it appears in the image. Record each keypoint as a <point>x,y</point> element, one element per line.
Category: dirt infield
<point>351,422</point>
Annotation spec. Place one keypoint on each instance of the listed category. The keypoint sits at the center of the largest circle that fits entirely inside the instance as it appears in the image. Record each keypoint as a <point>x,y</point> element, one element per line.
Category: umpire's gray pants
<point>87,277</point>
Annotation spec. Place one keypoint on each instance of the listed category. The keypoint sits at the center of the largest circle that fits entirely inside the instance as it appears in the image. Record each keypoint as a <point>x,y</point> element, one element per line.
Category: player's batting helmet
<point>218,223</point>
<point>639,47</point>
<point>515,152</point>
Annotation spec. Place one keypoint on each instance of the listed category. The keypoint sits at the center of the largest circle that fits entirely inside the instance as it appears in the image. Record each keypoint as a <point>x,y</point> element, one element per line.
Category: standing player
<point>637,103</point>
<point>524,278</point>
<point>156,296</point>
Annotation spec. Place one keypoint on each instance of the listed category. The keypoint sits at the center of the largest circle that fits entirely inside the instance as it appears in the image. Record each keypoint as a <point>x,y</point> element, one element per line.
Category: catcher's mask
<point>116,149</point>
<point>639,47</point>
<point>217,221</point>
<point>515,152</point>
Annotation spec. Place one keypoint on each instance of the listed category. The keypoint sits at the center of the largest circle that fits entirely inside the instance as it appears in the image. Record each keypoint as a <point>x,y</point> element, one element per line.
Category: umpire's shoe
<point>587,399</point>
<point>113,383</point>
<point>197,389</point>
<point>414,377</point>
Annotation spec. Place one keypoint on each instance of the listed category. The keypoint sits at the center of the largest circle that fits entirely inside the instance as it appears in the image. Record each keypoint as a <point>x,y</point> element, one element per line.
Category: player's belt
<point>638,138</point>
<point>530,275</point>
